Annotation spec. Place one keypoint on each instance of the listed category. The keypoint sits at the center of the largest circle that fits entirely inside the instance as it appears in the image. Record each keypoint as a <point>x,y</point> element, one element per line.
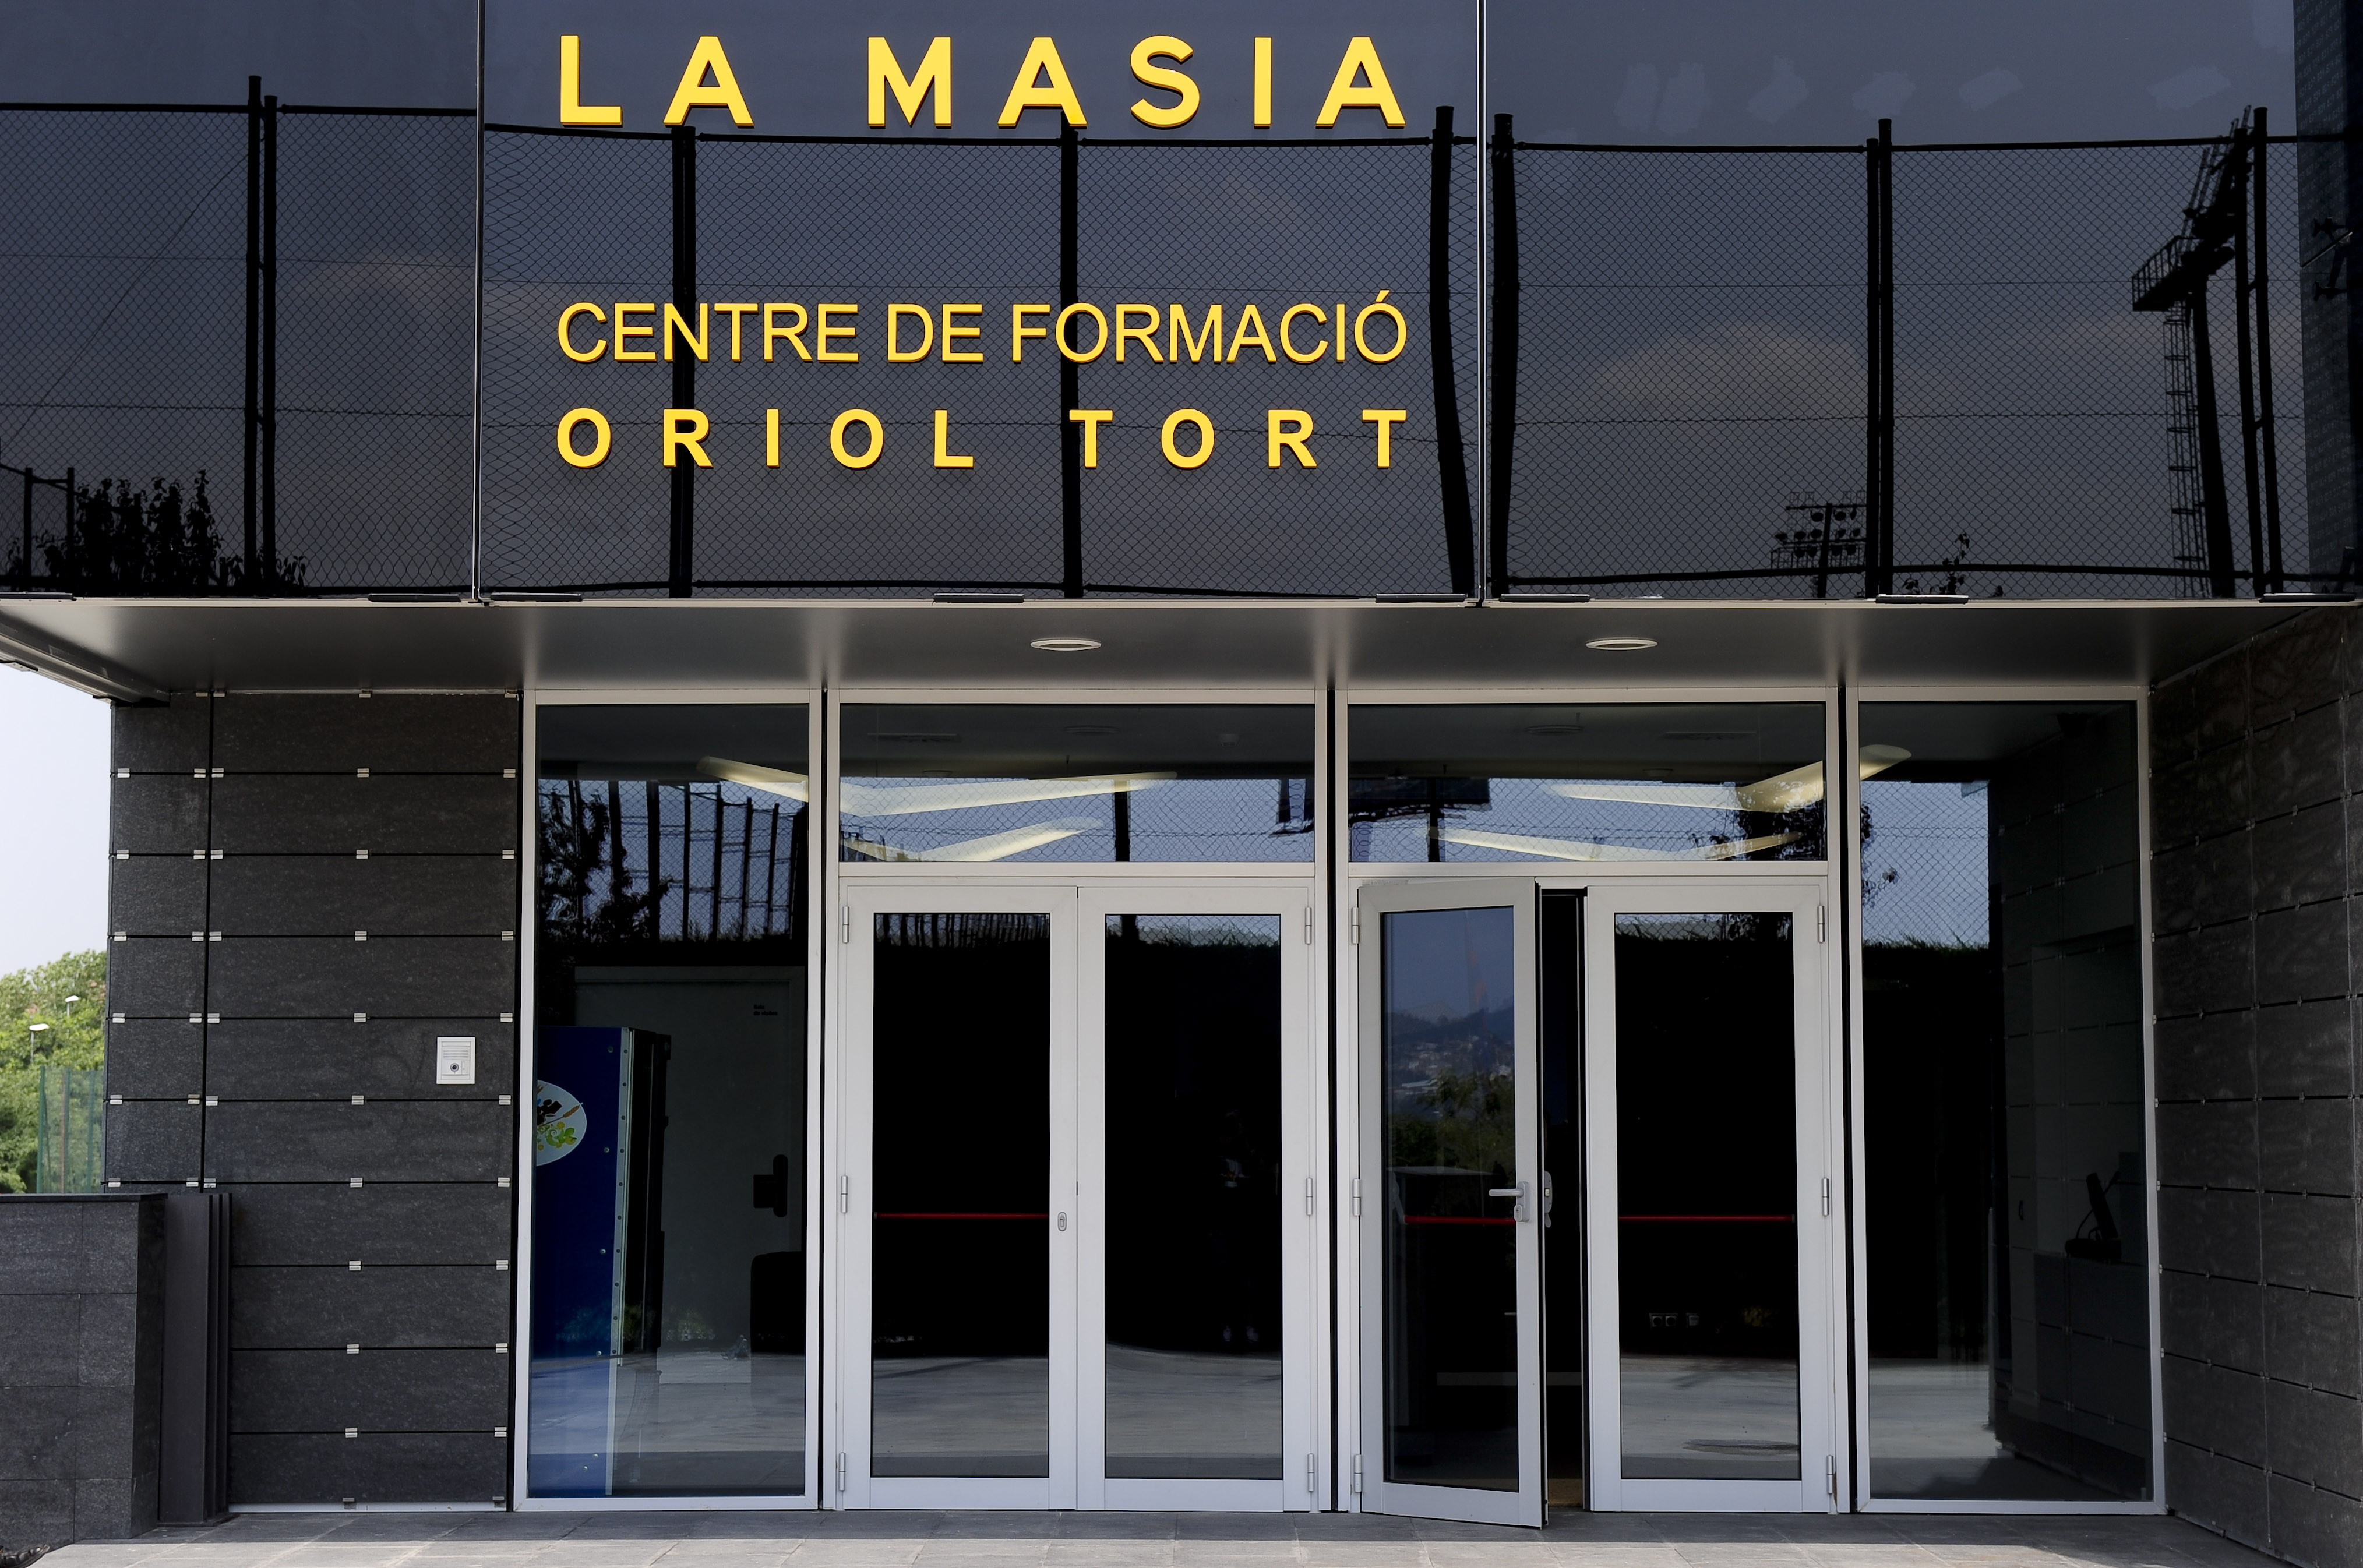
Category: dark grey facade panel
<point>400,733</point>
<point>332,1058</point>
<point>439,1141</point>
<point>384,1222</point>
<point>375,1390</point>
<point>371,1467</point>
<point>406,813</point>
<point>156,977</point>
<point>169,737</point>
<point>159,813</point>
<point>331,976</point>
<point>158,895</point>
<point>390,895</point>
<point>332,1306</point>
<point>156,1058</point>
<point>155,1141</point>
<point>2257,827</point>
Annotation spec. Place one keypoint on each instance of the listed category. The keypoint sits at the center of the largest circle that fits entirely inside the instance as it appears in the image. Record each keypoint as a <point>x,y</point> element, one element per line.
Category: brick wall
<point>2258,854</point>
<point>260,1044</point>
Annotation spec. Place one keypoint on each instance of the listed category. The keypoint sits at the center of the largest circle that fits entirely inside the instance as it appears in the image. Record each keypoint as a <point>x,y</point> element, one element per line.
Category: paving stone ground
<point>800,1539</point>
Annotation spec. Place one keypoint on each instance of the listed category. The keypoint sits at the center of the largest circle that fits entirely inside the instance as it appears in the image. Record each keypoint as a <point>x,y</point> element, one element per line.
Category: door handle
<point>1518,1192</point>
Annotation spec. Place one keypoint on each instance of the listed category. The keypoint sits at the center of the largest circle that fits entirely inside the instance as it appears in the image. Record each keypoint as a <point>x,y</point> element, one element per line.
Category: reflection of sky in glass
<point>1587,820</point>
<point>1924,862</point>
<point>1116,816</point>
<point>667,860</point>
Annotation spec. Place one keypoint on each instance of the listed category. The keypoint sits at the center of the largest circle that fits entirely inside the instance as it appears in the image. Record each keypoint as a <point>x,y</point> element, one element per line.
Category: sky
<point>53,791</point>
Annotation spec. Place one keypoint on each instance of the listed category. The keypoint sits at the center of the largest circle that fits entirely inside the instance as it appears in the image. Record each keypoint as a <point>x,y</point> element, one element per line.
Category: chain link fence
<point>248,365</point>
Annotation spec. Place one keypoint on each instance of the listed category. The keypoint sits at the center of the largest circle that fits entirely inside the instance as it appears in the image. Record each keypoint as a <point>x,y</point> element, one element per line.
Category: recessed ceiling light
<point>1622,644</point>
<point>1065,644</point>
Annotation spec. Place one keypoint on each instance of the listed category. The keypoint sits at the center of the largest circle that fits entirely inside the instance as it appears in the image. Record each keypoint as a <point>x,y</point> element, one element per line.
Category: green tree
<point>74,1036</point>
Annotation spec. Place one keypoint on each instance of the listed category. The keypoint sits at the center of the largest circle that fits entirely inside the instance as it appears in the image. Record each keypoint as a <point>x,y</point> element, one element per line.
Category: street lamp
<point>32,1029</point>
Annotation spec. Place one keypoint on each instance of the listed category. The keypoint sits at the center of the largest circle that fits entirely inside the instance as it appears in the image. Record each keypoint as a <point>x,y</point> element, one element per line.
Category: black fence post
<point>1451,461</point>
<point>2242,170</point>
<point>2267,437</point>
<point>1071,444</point>
<point>1879,456</point>
<point>680,572</point>
<point>267,405</point>
<point>2216,507</point>
<point>76,579</point>
<point>25,565</point>
<point>251,424</point>
<point>1504,410</point>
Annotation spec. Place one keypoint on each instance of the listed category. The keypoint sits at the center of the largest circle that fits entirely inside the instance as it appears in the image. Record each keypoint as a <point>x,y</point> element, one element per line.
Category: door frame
<point>1822,1407</point>
<point>1378,898</point>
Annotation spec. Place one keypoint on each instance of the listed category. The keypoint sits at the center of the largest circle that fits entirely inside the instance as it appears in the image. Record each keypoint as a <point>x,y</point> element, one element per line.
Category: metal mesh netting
<point>2035,447</point>
<point>873,224</point>
<point>1692,397</point>
<point>1688,385</point>
<point>124,252</point>
<point>376,273</point>
<point>131,228</point>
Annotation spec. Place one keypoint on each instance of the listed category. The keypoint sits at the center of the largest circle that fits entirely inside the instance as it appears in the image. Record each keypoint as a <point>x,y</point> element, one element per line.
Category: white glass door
<point>1196,1101</point>
<point>1709,1193</point>
<point>1449,1198</point>
<point>957,1198</point>
<point>1076,1266</point>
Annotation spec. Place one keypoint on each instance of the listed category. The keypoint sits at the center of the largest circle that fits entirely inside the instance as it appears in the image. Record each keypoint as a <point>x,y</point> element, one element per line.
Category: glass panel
<point>1448,1061</point>
<point>668,1311</point>
<point>973,784</point>
<point>1193,1198</point>
<point>960,1306</point>
<point>1559,916</point>
<point>1707,1175</point>
<point>2004,1203</point>
<point>1615,782</point>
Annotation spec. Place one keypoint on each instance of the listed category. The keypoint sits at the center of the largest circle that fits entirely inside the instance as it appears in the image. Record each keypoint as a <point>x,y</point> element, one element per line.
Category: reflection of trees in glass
<point>159,541</point>
<point>587,893</point>
<point>1456,1120</point>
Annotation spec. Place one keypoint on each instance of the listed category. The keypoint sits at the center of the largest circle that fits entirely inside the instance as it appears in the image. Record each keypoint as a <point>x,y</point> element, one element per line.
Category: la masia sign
<point>833,263</point>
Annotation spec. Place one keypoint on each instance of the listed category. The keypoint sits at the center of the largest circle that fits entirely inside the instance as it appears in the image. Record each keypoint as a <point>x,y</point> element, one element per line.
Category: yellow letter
<point>944,459</point>
<point>1091,419</point>
<point>673,321</point>
<point>1341,332</point>
<point>1149,114</point>
<point>795,334</point>
<point>1057,92</point>
<point>828,355</point>
<point>1145,333</point>
<point>963,356</point>
<point>1361,327</point>
<point>1173,420</point>
<point>1288,344</point>
<point>895,316</point>
<point>1278,432</point>
<point>1386,419</point>
<point>1360,56</point>
<point>623,330</point>
<point>572,109</point>
<point>566,344</point>
<point>734,312</point>
<point>770,438</point>
<point>685,428</point>
<point>1069,315</point>
<point>598,423</point>
<point>1252,318</point>
<point>935,71</point>
<point>1177,335</point>
<point>694,93</point>
<point>837,437</point>
<point>1264,83</point>
<point>1019,331</point>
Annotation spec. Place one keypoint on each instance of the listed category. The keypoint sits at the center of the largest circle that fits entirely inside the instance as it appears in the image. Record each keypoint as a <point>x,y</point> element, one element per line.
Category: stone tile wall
<point>2257,842</point>
<point>307,890</point>
<point>82,1344</point>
